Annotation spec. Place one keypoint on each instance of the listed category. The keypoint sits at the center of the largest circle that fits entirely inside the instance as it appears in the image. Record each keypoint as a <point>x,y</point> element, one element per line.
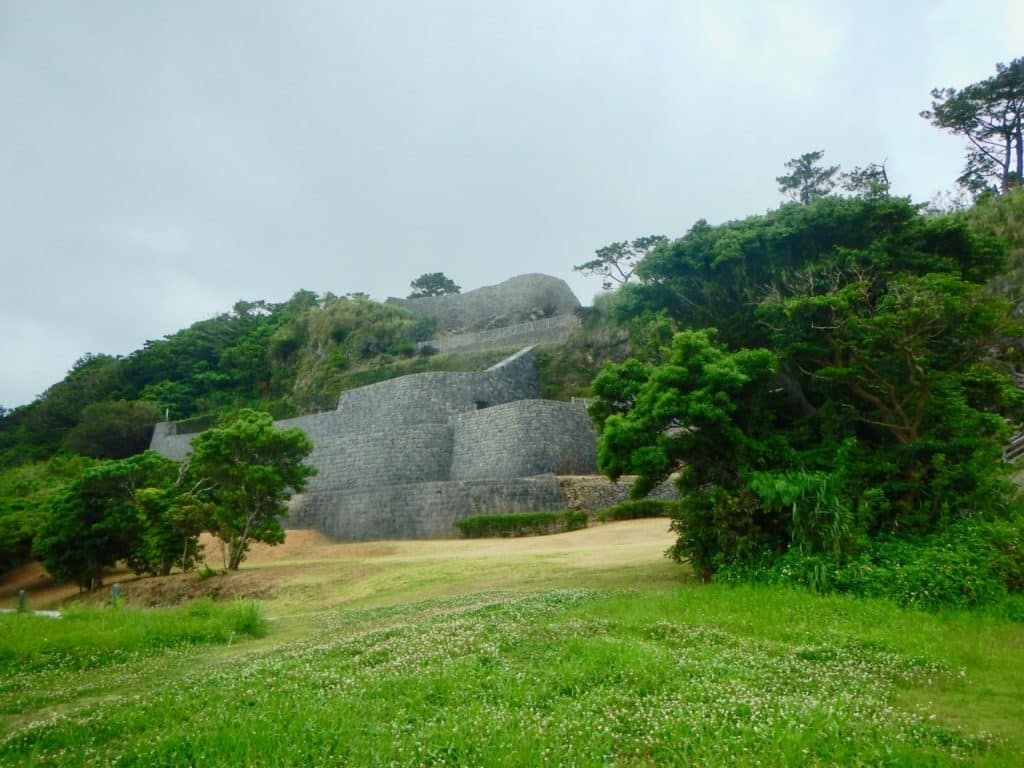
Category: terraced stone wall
<point>419,510</point>
<point>523,438</point>
<point>409,457</point>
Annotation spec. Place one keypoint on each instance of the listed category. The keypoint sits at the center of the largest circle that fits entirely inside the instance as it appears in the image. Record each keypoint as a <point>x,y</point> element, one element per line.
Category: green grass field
<point>517,654</point>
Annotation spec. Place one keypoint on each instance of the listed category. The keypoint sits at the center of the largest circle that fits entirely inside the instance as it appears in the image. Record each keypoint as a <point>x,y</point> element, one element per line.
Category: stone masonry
<point>410,457</point>
<point>524,293</point>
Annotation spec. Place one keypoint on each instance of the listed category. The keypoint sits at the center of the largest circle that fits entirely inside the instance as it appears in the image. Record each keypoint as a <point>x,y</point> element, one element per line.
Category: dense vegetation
<point>282,359</point>
<point>149,511</point>
<point>286,359</point>
<point>835,385</point>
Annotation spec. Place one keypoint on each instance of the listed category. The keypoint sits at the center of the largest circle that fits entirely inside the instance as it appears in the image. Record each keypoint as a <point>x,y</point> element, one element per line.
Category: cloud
<point>161,161</point>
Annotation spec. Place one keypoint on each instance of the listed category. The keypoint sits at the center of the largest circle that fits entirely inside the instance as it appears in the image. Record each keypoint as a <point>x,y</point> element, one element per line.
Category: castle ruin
<point>409,457</point>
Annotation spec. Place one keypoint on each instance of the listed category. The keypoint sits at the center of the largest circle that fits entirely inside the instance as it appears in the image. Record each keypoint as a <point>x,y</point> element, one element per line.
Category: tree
<point>432,284</point>
<point>868,181</point>
<point>990,115</point>
<point>852,373</point>
<point>248,470</point>
<point>807,180</point>
<point>616,263</point>
<point>710,411</point>
<point>97,521</point>
<point>114,429</point>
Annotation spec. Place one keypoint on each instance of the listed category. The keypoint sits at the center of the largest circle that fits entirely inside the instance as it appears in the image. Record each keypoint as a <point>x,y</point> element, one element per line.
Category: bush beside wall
<point>522,524</point>
<point>634,510</point>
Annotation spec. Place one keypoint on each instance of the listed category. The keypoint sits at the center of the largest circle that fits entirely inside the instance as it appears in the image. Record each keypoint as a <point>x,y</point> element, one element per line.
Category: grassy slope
<point>595,651</point>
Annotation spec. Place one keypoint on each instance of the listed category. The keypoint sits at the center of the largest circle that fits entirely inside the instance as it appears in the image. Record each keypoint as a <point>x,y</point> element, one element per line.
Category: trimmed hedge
<point>522,524</point>
<point>634,510</point>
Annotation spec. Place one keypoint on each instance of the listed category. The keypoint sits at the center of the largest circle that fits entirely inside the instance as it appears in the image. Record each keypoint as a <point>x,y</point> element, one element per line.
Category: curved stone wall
<point>527,437</point>
<point>456,311</point>
<point>436,396</point>
<point>547,330</point>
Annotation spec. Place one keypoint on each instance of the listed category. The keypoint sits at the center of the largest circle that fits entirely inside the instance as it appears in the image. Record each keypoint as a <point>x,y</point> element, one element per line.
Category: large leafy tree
<point>852,361</point>
<point>101,519</point>
<point>248,470</point>
<point>990,115</point>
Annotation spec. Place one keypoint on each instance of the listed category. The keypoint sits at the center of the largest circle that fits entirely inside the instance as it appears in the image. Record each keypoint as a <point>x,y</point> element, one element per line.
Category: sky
<point>161,160</point>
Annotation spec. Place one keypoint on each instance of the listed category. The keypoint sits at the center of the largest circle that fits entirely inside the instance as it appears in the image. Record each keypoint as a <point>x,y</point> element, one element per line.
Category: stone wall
<point>409,457</point>
<point>436,396</point>
<point>167,442</point>
<point>547,330</point>
<point>418,510</point>
<point>593,492</point>
<point>527,437</point>
<point>404,454</point>
<point>517,295</point>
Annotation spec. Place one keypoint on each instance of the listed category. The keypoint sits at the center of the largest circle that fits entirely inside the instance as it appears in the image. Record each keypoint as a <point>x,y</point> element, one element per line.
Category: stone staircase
<point>1015,448</point>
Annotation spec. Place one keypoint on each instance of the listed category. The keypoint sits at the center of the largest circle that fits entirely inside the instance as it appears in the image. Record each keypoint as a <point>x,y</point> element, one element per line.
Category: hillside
<point>584,648</point>
<point>906,297</point>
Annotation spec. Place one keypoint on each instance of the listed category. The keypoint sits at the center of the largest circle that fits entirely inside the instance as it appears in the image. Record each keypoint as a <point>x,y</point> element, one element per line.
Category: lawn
<point>422,656</point>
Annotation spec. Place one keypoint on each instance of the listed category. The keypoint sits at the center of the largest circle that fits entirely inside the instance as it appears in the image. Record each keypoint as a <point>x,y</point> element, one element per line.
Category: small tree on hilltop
<point>432,284</point>
<point>252,470</point>
<point>616,263</point>
<point>807,179</point>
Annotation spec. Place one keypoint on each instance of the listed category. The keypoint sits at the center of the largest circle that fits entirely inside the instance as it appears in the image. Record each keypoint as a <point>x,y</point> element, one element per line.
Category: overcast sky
<point>161,160</point>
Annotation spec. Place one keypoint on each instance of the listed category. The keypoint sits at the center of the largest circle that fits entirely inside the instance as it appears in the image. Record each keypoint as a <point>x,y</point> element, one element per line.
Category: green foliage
<point>821,516</point>
<point>711,677</point>
<point>636,509</point>
<point>706,407</point>
<point>287,358</point>
<point>522,523</point>
<point>117,510</point>
<point>989,115</point>
<point>616,263</point>
<point>841,388</point>
<point>972,563</point>
<point>432,284</point>
<point>345,336</point>
<point>26,494</point>
<point>567,370</point>
<point>114,429</point>
<point>1002,216</point>
<point>870,181</point>
<point>246,469</point>
<point>36,431</point>
<point>88,637</point>
<point>807,180</point>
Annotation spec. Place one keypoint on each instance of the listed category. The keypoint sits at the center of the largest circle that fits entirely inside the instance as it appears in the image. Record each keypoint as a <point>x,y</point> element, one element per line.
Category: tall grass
<point>89,636</point>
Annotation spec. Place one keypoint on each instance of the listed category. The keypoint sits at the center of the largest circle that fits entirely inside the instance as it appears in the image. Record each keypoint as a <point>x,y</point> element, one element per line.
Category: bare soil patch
<point>308,560</point>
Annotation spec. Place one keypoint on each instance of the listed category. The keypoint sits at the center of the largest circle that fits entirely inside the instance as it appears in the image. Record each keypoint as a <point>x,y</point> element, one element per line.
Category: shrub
<point>973,563</point>
<point>522,523</point>
<point>636,509</point>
